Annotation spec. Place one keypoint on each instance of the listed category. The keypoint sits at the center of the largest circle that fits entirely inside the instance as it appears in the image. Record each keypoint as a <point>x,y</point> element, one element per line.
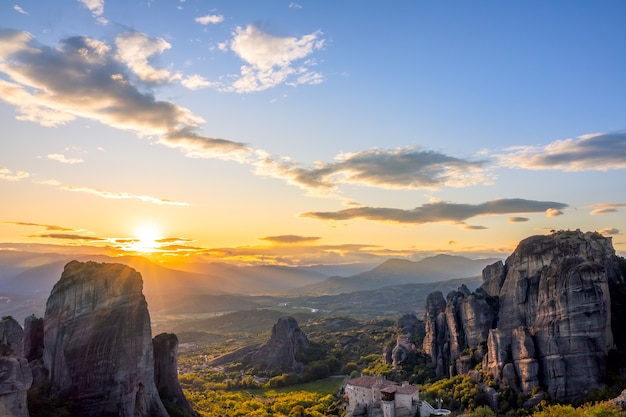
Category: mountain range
<point>26,280</point>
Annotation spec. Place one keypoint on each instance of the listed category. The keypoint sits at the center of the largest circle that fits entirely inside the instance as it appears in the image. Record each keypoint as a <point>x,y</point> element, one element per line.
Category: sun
<point>147,238</point>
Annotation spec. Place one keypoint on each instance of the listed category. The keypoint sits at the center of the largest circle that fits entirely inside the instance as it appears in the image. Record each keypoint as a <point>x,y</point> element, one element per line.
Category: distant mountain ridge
<point>395,272</point>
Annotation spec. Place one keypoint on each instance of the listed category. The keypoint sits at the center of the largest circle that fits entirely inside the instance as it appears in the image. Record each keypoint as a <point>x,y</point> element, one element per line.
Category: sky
<point>309,132</point>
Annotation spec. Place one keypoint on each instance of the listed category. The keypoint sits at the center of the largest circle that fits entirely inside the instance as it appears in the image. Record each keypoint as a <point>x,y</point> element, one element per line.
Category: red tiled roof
<point>369,381</point>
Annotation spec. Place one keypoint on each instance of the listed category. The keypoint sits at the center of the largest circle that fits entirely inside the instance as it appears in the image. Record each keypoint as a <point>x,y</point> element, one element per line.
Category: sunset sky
<point>309,132</point>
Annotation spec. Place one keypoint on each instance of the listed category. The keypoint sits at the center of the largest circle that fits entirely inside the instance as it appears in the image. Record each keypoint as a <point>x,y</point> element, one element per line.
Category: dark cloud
<point>402,168</point>
<point>517,219</point>
<point>49,227</point>
<point>290,239</point>
<point>440,211</point>
<point>599,152</point>
<point>67,236</point>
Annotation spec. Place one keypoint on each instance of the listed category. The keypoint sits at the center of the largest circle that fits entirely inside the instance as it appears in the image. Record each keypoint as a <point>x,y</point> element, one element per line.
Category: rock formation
<point>279,353</point>
<point>166,371</point>
<point>15,376</point>
<point>15,380</point>
<point>11,337</point>
<point>408,326</point>
<point>33,338</point>
<point>98,344</point>
<point>541,319</point>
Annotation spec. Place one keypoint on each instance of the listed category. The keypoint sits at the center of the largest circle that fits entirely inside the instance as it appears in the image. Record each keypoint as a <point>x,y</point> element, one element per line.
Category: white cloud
<point>20,10</point>
<point>96,7</point>
<point>63,159</point>
<point>210,19</point>
<point>552,212</point>
<point>8,175</point>
<point>195,82</point>
<point>123,196</point>
<point>135,49</point>
<point>83,78</point>
<point>270,59</point>
<point>609,231</point>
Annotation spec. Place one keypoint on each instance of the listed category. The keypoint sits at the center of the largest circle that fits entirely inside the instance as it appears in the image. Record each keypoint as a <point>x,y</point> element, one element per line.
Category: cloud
<point>61,158</point>
<point>135,49</point>
<point>609,231</point>
<point>195,82</point>
<point>604,208</point>
<point>293,5</point>
<point>49,227</point>
<point>8,175</point>
<point>290,239</point>
<point>123,196</point>
<point>270,59</point>
<point>20,10</point>
<point>517,219</point>
<point>470,227</point>
<point>438,211</point>
<point>210,19</point>
<point>67,236</point>
<point>597,152</point>
<point>84,78</point>
<point>96,7</point>
<point>552,212</point>
<point>401,168</point>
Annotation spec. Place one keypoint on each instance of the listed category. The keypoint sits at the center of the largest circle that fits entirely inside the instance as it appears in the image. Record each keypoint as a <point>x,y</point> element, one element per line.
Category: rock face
<point>543,317</point>
<point>11,337</point>
<point>98,344</point>
<point>15,380</point>
<point>33,338</point>
<point>279,353</point>
<point>166,371</point>
<point>408,326</point>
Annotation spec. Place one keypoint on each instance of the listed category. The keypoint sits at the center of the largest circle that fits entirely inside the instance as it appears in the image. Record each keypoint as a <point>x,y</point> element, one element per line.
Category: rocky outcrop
<point>15,380</point>
<point>11,337</point>
<point>279,353</point>
<point>408,326</point>
<point>33,338</point>
<point>166,371</point>
<point>543,316</point>
<point>455,325</point>
<point>97,342</point>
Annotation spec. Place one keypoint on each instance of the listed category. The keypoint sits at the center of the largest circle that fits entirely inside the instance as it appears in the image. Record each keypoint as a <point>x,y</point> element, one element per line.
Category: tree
<point>483,411</point>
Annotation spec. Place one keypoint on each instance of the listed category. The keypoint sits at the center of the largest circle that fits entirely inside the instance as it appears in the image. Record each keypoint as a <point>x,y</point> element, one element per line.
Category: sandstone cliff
<point>98,344</point>
<point>541,319</point>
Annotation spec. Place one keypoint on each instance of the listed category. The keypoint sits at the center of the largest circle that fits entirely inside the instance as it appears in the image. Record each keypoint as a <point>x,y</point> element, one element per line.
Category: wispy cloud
<point>440,211</point>
<point>596,152</point>
<point>8,175</point>
<point>290,239</point>
<point>85,78</point>
<point>402,168</point>
<point>96,7</point>
<point>609,231</point>
<point>604,208</point>
<point>273,60</point>
<point>67,236</point>
<point>18,9</point>
<point>123,196</point>
<point>210,19</point>
<point>49,227</point>
<point>63,159</point>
